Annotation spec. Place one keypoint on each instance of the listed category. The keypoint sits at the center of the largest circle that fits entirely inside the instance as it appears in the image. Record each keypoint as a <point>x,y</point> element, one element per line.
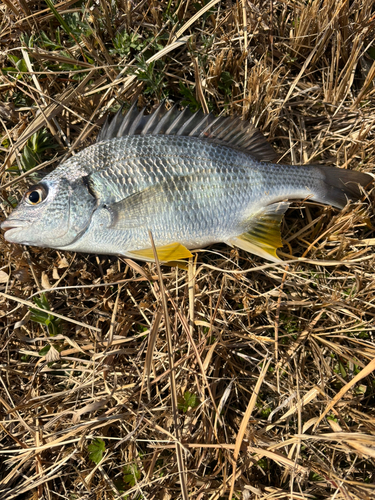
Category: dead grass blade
<point>150,350</point>
<point>179,447</point>
<point>196,16</point>
<point>53,313</point>
<point>42,119</point>
<point>367,370</point>
<point>245,421</point>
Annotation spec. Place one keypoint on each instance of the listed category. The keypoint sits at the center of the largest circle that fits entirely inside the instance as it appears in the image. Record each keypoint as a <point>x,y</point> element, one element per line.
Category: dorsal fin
<point>231,131</point>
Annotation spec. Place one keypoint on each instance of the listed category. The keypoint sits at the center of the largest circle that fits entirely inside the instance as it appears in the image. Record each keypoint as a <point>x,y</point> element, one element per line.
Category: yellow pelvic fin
<point>166,253</point>
<point>263,236</point>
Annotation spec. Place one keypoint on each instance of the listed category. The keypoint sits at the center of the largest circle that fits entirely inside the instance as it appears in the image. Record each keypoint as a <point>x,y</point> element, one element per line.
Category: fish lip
<point>12,227</point>
<point>9,224</point>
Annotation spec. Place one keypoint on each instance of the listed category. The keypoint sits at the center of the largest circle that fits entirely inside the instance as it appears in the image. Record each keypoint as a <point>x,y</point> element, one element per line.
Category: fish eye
<point>35,195</point>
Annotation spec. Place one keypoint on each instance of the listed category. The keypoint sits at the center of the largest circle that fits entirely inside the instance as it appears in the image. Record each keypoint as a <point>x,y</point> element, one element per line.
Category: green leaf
<point>131,474</point>
<point>124,43</point>
<point>152,74</point>
<point>8,69</point>
<point>315,477</point>
<point>27,40</point>
<point>96,450</point>
<point>44,350</point>
<point>48,43</point>
<point>225,83</point>
<point>342,370</point>
<point>13,58</point>
<point>32,153</point>
<point>28,159</point>
<point>190,400</point>
<point>52,323</point>
<point>21,66</point>
<point>189,98</point>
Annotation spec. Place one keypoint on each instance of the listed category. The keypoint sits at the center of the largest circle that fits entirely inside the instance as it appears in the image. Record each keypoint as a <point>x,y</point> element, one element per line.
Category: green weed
<point>96,450</point>
<point>34,151</point>
<point>189,400</point>
<point>18,68</point>
<point>152,75</point>
<point>130,476</point>
<point>189,98</point>
<point>53,324</point>
<point>124,43</point>
<point>225,83</point>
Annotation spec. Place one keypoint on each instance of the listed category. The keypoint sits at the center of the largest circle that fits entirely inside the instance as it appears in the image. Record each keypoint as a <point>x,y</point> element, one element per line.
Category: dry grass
<point>242,379</point>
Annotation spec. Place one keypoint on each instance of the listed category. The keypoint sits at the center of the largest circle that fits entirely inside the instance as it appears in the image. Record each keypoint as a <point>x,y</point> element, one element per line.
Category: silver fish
<point>191,179</point>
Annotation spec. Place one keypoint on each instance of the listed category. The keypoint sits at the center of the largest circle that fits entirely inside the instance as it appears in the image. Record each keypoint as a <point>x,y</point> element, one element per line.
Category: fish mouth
<point>13,226</point>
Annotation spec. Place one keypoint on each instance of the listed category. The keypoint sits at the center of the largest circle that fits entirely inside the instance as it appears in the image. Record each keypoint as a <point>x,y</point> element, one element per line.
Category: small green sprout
<point>189,98</point>
<point>151,74</point>
<point>124,43</point>
<point>96,450</point>
<point>53,324</point>
<point>34,150</point>
<point>189,400</point>
<point>225,83</point>
<point>20,66</point>
<point>130,476</point>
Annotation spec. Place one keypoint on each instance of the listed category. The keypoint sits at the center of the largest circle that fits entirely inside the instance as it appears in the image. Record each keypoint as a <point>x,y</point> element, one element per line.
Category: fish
<point>189,179</point>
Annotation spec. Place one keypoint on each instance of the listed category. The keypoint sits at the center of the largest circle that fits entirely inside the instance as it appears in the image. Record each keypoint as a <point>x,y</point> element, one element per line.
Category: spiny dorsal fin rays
<point>103,131</point>
<point>188,126</point>
<point>165,122</point>
<point>135,127</point>
<point>263,235</point>
<point>201,122</point>
<point>153,122</point>
<point>178,121</point>
<point>126,122</point>
<point>230,131</point>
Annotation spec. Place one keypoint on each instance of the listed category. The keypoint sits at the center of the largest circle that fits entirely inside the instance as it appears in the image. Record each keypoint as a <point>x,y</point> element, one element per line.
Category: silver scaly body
<point>208,191</point>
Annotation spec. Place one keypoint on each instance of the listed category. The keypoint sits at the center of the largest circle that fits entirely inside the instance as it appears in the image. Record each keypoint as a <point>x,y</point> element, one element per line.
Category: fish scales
<point>117,174</point>
<point>190,190</point>
<point>222,186</point>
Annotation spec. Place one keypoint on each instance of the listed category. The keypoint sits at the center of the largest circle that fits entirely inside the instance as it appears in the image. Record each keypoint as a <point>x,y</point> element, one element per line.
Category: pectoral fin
<point>167,253</point>
<point>138,209</point>
<point>263,236</point>
<point>145,207</point>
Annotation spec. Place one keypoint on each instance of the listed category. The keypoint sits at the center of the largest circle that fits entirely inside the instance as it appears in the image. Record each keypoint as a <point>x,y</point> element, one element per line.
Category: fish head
<point>53,214</point>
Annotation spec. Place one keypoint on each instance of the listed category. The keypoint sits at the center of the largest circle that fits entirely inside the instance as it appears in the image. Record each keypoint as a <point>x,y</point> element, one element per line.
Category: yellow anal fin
<point>243,241</point>
<point>263,235</point>
<point>166,253</point>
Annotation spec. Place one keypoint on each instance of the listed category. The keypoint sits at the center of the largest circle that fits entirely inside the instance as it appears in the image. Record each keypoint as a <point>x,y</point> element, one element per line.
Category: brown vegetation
<point>236,378</point>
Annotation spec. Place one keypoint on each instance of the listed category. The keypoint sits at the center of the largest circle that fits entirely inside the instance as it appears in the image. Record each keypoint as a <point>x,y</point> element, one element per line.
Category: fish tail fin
<point>340,185</point>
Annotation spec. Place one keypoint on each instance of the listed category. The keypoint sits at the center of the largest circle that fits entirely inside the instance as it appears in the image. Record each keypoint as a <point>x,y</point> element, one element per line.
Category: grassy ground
<point>258,382</point>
